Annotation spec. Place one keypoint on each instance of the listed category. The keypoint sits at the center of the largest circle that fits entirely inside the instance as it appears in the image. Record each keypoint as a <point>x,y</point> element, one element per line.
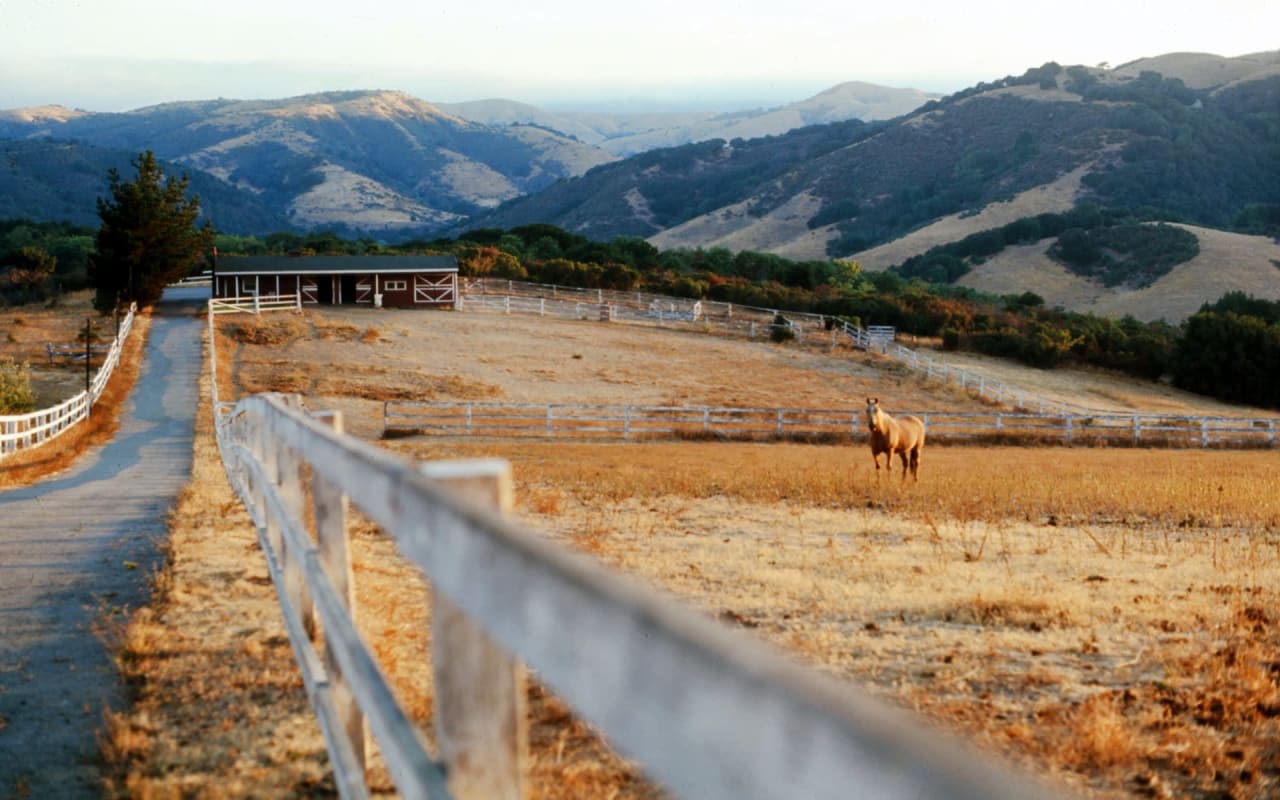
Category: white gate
<point>310,290</point>
<point>364,290</point>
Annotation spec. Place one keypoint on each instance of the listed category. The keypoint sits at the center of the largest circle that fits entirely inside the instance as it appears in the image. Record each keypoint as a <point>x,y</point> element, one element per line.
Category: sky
<point>573,54</point>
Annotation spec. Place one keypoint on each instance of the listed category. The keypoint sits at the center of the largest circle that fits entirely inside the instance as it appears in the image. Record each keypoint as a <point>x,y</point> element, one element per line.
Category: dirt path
<point>82,545</point>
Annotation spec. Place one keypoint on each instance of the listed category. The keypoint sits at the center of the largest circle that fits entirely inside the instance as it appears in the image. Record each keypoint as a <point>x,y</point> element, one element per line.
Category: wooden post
<point>330,506</point>
<point>481,724</point>
<point>289,481</point>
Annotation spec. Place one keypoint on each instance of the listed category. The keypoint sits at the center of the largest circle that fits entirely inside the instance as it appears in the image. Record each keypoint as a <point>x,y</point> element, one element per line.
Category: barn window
<point>394,286</point>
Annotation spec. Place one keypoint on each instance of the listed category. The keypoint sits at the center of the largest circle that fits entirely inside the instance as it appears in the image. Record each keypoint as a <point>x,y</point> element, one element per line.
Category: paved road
<point>66,549</point>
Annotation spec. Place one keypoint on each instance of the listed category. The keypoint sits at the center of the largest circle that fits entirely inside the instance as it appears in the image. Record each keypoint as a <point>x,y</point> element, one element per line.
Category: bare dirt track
<point>1107,617</point>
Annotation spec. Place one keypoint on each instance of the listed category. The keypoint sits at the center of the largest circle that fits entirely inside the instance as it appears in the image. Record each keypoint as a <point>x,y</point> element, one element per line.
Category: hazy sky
<point>110,55</point>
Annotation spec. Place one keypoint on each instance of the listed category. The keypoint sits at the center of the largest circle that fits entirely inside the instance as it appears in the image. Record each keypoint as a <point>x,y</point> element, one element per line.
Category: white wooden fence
<point>708,711</point>
<point>23,431</point>
<point>255,304</point>
<point>563,420</point>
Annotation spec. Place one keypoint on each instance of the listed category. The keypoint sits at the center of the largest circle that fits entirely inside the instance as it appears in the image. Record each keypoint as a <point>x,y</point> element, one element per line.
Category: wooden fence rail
<point>23,431</point>
<point>255,304</point>
<point>562,420</point>
<point>708,711</point>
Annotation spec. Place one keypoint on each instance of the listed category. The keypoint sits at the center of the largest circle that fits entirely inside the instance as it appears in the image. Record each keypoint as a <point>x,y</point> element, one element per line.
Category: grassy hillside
<point>61,180</point>
<point>1147,142</point>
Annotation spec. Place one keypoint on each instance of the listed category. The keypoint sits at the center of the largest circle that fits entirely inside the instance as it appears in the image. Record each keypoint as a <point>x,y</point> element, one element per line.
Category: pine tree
<point>148,238</point>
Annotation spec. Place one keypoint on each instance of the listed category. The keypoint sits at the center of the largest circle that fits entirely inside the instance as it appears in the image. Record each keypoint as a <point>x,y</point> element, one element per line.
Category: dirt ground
<point>1106,617</point>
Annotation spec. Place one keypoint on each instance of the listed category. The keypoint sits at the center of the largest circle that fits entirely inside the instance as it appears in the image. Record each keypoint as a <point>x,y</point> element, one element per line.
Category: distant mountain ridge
<point>380,162</point>
<point>628,134</point>
<point>366,161</point>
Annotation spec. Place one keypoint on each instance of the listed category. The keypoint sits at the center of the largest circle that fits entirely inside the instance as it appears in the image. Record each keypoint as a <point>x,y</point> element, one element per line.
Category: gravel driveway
<point>79,544</point>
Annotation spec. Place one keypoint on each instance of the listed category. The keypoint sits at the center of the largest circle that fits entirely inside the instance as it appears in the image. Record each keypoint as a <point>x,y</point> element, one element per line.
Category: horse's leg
<point>902,454</point>
<point>915,463</point>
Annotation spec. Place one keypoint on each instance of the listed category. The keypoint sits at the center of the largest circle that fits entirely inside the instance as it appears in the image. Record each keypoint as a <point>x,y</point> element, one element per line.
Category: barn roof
<point>333,265</point>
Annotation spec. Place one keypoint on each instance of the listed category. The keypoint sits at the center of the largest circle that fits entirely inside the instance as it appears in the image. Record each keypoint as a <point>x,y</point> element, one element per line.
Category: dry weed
<point>272,330</point>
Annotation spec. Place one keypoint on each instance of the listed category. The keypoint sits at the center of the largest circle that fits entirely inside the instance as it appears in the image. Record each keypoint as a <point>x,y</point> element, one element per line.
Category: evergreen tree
<point>148,238</point>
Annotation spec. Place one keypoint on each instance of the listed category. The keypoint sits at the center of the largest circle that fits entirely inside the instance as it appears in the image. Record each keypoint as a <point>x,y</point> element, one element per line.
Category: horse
<point>888,435</point>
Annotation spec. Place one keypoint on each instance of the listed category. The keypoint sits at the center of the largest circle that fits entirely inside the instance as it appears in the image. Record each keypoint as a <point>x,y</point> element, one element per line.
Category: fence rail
<point>708,711</point>
<point>24,431</point>
<point>562,420</point>
<point>255,304</point>
<point>76,352</point>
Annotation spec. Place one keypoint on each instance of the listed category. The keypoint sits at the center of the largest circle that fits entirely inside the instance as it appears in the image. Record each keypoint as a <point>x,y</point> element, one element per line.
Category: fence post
<point>550,424</point>
<point>782,426</point>
<point>330,506</point>
<point>480,717</point>
<point>1204,432</point>
<point>289,480</point>
<point>1137,428</point>
<point>626,422</point>
<point>1067,419</point>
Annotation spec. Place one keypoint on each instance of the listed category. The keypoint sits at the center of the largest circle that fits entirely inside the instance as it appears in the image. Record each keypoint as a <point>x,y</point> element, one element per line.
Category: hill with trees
<point>1148,143</point>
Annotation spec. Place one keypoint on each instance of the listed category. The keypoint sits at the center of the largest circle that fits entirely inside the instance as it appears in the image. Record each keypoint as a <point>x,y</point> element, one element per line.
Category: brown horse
<point>888,435</point>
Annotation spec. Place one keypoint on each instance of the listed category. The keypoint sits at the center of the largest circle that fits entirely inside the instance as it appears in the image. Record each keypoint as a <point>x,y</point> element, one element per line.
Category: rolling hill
<point>624,134</point>
<point>364,161</point>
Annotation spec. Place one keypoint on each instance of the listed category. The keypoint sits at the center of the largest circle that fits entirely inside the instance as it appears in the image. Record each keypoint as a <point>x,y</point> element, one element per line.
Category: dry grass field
<point>24,331</point>
<point>1106,616</point>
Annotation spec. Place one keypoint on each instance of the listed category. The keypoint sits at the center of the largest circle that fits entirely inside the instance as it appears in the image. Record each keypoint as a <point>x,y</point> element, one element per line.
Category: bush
<point>781,331</point>
<point>16,394</point>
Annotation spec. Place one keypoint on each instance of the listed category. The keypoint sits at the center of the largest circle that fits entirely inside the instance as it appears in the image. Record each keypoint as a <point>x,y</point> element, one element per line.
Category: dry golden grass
<point>218,708</point>
<point>1108,616</point>
<point>28,466</point>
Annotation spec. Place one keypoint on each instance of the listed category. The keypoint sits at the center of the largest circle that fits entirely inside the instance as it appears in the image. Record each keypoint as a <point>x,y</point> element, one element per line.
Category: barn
<point>380,280</point>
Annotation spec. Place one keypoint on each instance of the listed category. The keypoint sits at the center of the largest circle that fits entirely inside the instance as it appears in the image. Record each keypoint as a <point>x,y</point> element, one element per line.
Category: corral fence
<point>562,420</point>
<point>255,304</point>
<point>75,352</point>
<point>517,297</point>
<point>23,431</point>
<point>708,711</point>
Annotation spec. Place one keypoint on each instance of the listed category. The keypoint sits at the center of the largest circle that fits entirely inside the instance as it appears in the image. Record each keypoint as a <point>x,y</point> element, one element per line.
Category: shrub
<point>781,331</point>
<point>16,394</point>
